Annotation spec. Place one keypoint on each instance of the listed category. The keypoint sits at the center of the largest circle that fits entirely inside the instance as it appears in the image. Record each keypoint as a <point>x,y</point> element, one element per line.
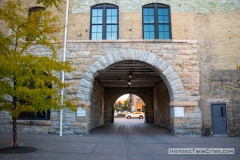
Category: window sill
<point>34,122</point>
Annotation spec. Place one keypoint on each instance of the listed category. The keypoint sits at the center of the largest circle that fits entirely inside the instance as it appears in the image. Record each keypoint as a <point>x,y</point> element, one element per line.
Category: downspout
<point>63,60</point>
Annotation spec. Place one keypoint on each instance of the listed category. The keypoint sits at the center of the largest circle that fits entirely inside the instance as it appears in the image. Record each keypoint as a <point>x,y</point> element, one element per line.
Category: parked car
<point>139,115</point>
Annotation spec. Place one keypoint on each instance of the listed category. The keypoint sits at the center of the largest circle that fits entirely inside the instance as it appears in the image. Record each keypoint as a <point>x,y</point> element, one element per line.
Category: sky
<point>123,97</point>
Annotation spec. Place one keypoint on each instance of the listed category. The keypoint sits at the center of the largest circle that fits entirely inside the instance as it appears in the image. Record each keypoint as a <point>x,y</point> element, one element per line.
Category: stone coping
<point>129,41</point>
<point>184,103</point>
<point>34,122</point>
<point>134,41</point>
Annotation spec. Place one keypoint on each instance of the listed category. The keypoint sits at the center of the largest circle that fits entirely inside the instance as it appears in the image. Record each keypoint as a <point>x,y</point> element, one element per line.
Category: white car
<point>139,115</point>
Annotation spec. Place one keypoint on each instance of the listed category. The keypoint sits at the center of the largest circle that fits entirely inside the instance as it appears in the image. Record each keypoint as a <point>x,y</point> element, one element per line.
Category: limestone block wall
<point>97,106</point>
<point>161,105</point>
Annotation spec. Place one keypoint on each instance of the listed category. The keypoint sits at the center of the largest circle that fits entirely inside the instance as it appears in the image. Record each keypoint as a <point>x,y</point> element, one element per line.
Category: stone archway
<point>168,74</point>
<point>180,105</point>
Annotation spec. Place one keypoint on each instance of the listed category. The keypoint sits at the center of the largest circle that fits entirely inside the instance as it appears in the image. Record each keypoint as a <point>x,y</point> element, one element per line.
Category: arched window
<point>104,22</point>
<point>156,21</point>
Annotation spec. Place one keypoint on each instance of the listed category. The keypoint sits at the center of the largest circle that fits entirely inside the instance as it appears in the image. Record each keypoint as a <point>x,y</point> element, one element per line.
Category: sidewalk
<point>118,141</point>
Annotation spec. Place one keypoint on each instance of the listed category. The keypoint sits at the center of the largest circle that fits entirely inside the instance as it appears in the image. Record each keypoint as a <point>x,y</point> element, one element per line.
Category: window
<point>156,21</point>
<point>104,22</point>
<point>44,115</point>
<point>35,10</point>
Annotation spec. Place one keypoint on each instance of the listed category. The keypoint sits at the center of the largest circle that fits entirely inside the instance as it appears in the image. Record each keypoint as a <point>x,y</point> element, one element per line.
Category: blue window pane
<point>150,11</point>
<point>166,19</point>
<point>109,36</point>
<point>160,19</point>
<point>94,12</point>
<point>146,35</point>
<point>114,35</point>
<point>151,28</point>
<point>109,28</point>
<point>160,12</point>
<point>166,27</point>
<point>109,12</point>
<point>114,19</point>
<point>94,28</point>
<point>99,20</point>
<point>165,11</point>
<point>167,35</point>
<point>146,28</point>
<point>145,19</point>
<point>99,28</point>
<point>114,28</point>
<point>152,36</point>
<point>114,12</point>
<point>100,12</point>
<point>94,36</point>
<point>99,36</point>
<point>151,19</point>
<point>145,11</point>
<point>160,28</point>
<point>94,20</point>
<point>161,35</point>
<point>109,19</point>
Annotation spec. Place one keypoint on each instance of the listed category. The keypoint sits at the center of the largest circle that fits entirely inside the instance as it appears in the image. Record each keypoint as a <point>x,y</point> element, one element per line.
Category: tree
<point>25,77</point>
<point>50,3</point>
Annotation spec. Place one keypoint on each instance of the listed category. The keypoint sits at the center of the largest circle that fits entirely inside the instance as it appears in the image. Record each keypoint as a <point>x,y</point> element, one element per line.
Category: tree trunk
<point>15,140</point>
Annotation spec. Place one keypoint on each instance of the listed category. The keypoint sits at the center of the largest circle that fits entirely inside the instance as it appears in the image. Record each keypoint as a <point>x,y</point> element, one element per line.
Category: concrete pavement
<point>118,141</point>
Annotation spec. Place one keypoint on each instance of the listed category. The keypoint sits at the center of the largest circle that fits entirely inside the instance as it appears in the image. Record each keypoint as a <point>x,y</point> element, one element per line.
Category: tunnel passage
<point>145,82</point>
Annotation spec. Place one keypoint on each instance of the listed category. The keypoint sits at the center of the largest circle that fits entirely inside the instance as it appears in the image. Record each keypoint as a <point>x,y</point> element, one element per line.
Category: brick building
<point>181,55</point>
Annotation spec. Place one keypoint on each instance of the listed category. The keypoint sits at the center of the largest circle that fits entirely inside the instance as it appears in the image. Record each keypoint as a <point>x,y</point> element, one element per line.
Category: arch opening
<point>129,108</point>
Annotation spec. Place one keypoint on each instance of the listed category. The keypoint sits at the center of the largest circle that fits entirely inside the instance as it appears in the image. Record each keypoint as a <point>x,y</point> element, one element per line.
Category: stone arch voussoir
<point>167,73</point>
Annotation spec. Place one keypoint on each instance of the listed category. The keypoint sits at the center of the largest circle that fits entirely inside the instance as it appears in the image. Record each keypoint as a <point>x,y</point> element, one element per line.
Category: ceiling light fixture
<point>130,75</point>
<point>129,82</point>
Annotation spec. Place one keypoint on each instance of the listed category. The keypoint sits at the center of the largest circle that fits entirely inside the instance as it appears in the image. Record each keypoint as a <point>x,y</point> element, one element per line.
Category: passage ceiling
<point>138,73</point>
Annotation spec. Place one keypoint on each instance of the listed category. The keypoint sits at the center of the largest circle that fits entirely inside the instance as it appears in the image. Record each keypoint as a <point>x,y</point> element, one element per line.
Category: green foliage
<point>23,74</point>
<point>50,3</point>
